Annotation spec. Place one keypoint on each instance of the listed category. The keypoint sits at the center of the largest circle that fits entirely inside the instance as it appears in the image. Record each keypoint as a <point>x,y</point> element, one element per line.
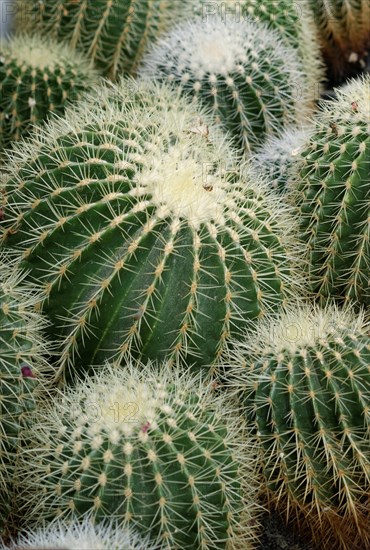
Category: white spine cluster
<point>83,535</point>
<point>278,157</point>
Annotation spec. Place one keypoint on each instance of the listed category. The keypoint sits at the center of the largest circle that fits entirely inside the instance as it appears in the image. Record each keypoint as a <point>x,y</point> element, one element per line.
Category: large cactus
<point>305,383</point>
<point>242,71</point>
<point>21,363</point>
<point>154,452</point>
<point>113,33</point>
<point>344,32</point>
<point>38,76</point>
<point>333,193</point>
<point>146,235</point>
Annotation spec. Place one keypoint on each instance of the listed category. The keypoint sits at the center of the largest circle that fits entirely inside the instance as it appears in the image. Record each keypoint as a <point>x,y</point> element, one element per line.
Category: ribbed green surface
<point>305,383</point>
<point>113,33</point>
<point>34,85</point>
<point>168,472</point>
<point>19,347</point>
<point>333,194</point>
<point>241,71</point>
<point>276,159</point>
<point>124,273</point>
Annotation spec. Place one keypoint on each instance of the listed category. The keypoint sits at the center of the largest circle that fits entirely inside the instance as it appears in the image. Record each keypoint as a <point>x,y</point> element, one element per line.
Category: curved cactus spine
<point>276,159</point>
<point>333,193</point>
<point>154,452</point>
<point>146,242</point>
<point>242,71</point>
<point>344,32</point>
<point>305,383</point>
<point>37,77</point>
<point>112,33</point>
<point>21,366</point>
<point>81,535</point>
<point>292,20</point>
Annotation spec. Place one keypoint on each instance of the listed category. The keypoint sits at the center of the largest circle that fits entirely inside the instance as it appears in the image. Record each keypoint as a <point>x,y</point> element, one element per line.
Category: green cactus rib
<point>154,454</point>
<point>333,194</point>
<point>242,71</point>
<point>37,77</point>
<point>138,253</point>
<point>308,397</point>
<point>21,362</point>
<point>112,33</point>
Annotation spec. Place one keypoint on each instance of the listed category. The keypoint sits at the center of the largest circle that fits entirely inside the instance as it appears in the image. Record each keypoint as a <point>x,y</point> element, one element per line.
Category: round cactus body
<point>147,237</point>
<point>276,159</point>
<point>292,20</point>
<point>37,77</point>
<point>333,193</point>
<point>305,380</point>
<point>80,535</point>
<point>241,70</point>
<point>156,456</point>
<point>21,362</point>
<point>112,33</point>
<point>344,32</point>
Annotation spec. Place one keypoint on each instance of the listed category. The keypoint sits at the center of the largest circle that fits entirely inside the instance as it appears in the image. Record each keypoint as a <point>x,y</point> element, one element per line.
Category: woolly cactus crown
<point>80,535</point>
<point>301,327</point>
<point>151,194</point>
<point>162,454</point>
<point>242,71</point>
<point>292,20</point>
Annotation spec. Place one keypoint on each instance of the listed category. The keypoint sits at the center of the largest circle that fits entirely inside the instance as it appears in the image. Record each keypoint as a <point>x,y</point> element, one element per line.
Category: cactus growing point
<point>241,70</point>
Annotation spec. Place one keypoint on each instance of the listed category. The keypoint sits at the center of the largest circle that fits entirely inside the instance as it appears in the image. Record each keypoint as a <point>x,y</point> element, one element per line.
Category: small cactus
<point>21,364</point>
<point>242,71</point>
<point>83,535</point>
<point>344,32</point>
<point>304,379</point>
<point>332,192</point>
<point>158,453</point>
<point>147,236</point>
<point>37,77</point>
<point>112,33</point>
<point>276,159</point>
<point>292,20</point>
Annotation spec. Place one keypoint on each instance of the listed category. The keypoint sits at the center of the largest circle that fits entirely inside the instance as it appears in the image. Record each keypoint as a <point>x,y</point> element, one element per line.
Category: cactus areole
<point>141,244</point>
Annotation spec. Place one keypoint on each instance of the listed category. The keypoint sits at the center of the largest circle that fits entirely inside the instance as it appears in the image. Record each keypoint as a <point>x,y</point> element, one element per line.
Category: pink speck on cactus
<point>145,427</point>
<point>27,372</point>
